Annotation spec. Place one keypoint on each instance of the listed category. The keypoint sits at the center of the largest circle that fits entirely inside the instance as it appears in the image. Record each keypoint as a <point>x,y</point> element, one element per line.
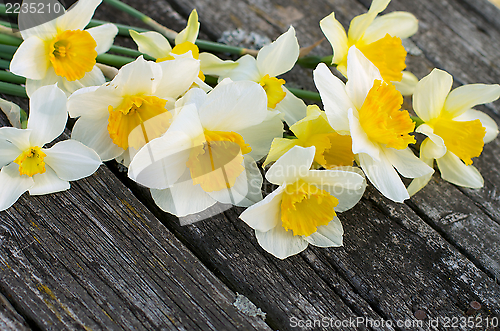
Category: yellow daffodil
<point>332,149</point>
<point>207,155</point>
<point>62,52</point>
<point>273,60</point>
<point>119,117</point>
<point>455,132</point>
<point>379,39</point>
<point>303,209</point>
<point>27,166</point>
<point>369,110</point>
<point>156,45</point>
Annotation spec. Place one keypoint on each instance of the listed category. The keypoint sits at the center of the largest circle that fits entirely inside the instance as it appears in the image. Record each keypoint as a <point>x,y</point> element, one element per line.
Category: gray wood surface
<point>102,256</point>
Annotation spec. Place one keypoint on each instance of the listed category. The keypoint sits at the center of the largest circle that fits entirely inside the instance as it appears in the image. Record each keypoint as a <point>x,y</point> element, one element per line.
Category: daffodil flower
<point>207,155</point>
<point>157,46</point>
<point>61,51</point>
<point>303,209</point>
<point>332,149</point>
<point>273,60</point>
<point>118,118</point>
<point>379,39</point>
<point>368,109</point>
<point>27,166</point>
<point>455,132</point>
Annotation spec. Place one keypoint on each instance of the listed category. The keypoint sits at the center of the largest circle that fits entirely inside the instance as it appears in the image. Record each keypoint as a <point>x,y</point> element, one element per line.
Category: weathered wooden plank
<point>10,320</point>
<point>93,257</point>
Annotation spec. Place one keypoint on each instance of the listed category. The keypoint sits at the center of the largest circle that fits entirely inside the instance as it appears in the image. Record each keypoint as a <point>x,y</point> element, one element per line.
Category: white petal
<point>396,24</point>
<point>465,97</point>
<point>78,15</point>
<point>195,98</point>
<point>292,165</point>
<point>329,235</point>
<point>294,108</point>
<point>94,134</point>
<point>91,78</point>
<point>183,198</point>
<point>212,65</point>
<point>31,60</point>
<point>48,182</point>
<point>12,111</point>
<point>455,171</point>
<point>360,141</point>
<point>430,94</point>
<point>487,122</point>
<point>92,102</point>
<point>334,97</point>
<point>280,243</point>
<point>261,136</point>
<point>104,36</point>
<point>13,185</point>
<point>347,184</point>
<point>8,152</point>
<point>336,35</point>
<point>246,70</point>
<point>280,56</point>
<point>360,23</point>
<point>48,115</point>
<point>151,43</point>
<point>138,77</point>
<point>162,161</point>
<point>71,160</point>
<point>436,146</point>
<point>190,32</point>
<point>383,176</point>
<point>361,74</point>
<point>406,86</point>
<point>178,76</point>
<point>418,183</point>
<point>234,106</point>
<point>50,79</point>
<point>45,31</point>
<point>265,214</point>
<point>406,163</point>
<point>19,138</point>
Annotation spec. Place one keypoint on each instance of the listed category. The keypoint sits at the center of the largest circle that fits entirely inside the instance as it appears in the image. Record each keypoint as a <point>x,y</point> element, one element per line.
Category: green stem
<point>13,89</point>
<point>130,52</point>
<point>11,78</point>
<point>304,94</point>
<point>116,61</point>
<point>122,28</point>
<point>4,64</point>
<point>10,40</point>
<point>23,118</point>
<point>418,121</point>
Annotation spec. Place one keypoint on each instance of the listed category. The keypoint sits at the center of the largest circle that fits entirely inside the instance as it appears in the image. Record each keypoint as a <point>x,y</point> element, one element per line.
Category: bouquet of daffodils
<point>200,131</point>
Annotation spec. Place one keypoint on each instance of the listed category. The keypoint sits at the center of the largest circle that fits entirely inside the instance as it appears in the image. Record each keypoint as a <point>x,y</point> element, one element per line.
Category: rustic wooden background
<point>101,256</point>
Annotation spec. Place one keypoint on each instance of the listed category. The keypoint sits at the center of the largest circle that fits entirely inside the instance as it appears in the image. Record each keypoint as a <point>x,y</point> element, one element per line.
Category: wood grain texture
<point>94,258</point>
<point>10,320</point>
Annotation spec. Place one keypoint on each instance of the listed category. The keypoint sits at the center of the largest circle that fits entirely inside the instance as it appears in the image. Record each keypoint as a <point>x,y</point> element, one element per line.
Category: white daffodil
<point>27,166</point>
<point>273,60</point>
<point>368,109</point>
<point>126,113</point>
<point>207,155</point>
<point>302,210</point>
<point>62,52</point>
<point>157,46</point>
<point>379,39</point>
<point>332,149</point>
<point>456,132</point>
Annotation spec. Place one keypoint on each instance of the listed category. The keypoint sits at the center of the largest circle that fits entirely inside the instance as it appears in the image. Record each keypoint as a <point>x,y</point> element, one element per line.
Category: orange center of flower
<point>138,120</point>
<point>274,90</point>
<point>72,54</point>
<point>217,162</point>
<point>464,139</point>
<point>381,117</point>
<point>31,161</point>
<point>304,207</point>
<point>388,55</point>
